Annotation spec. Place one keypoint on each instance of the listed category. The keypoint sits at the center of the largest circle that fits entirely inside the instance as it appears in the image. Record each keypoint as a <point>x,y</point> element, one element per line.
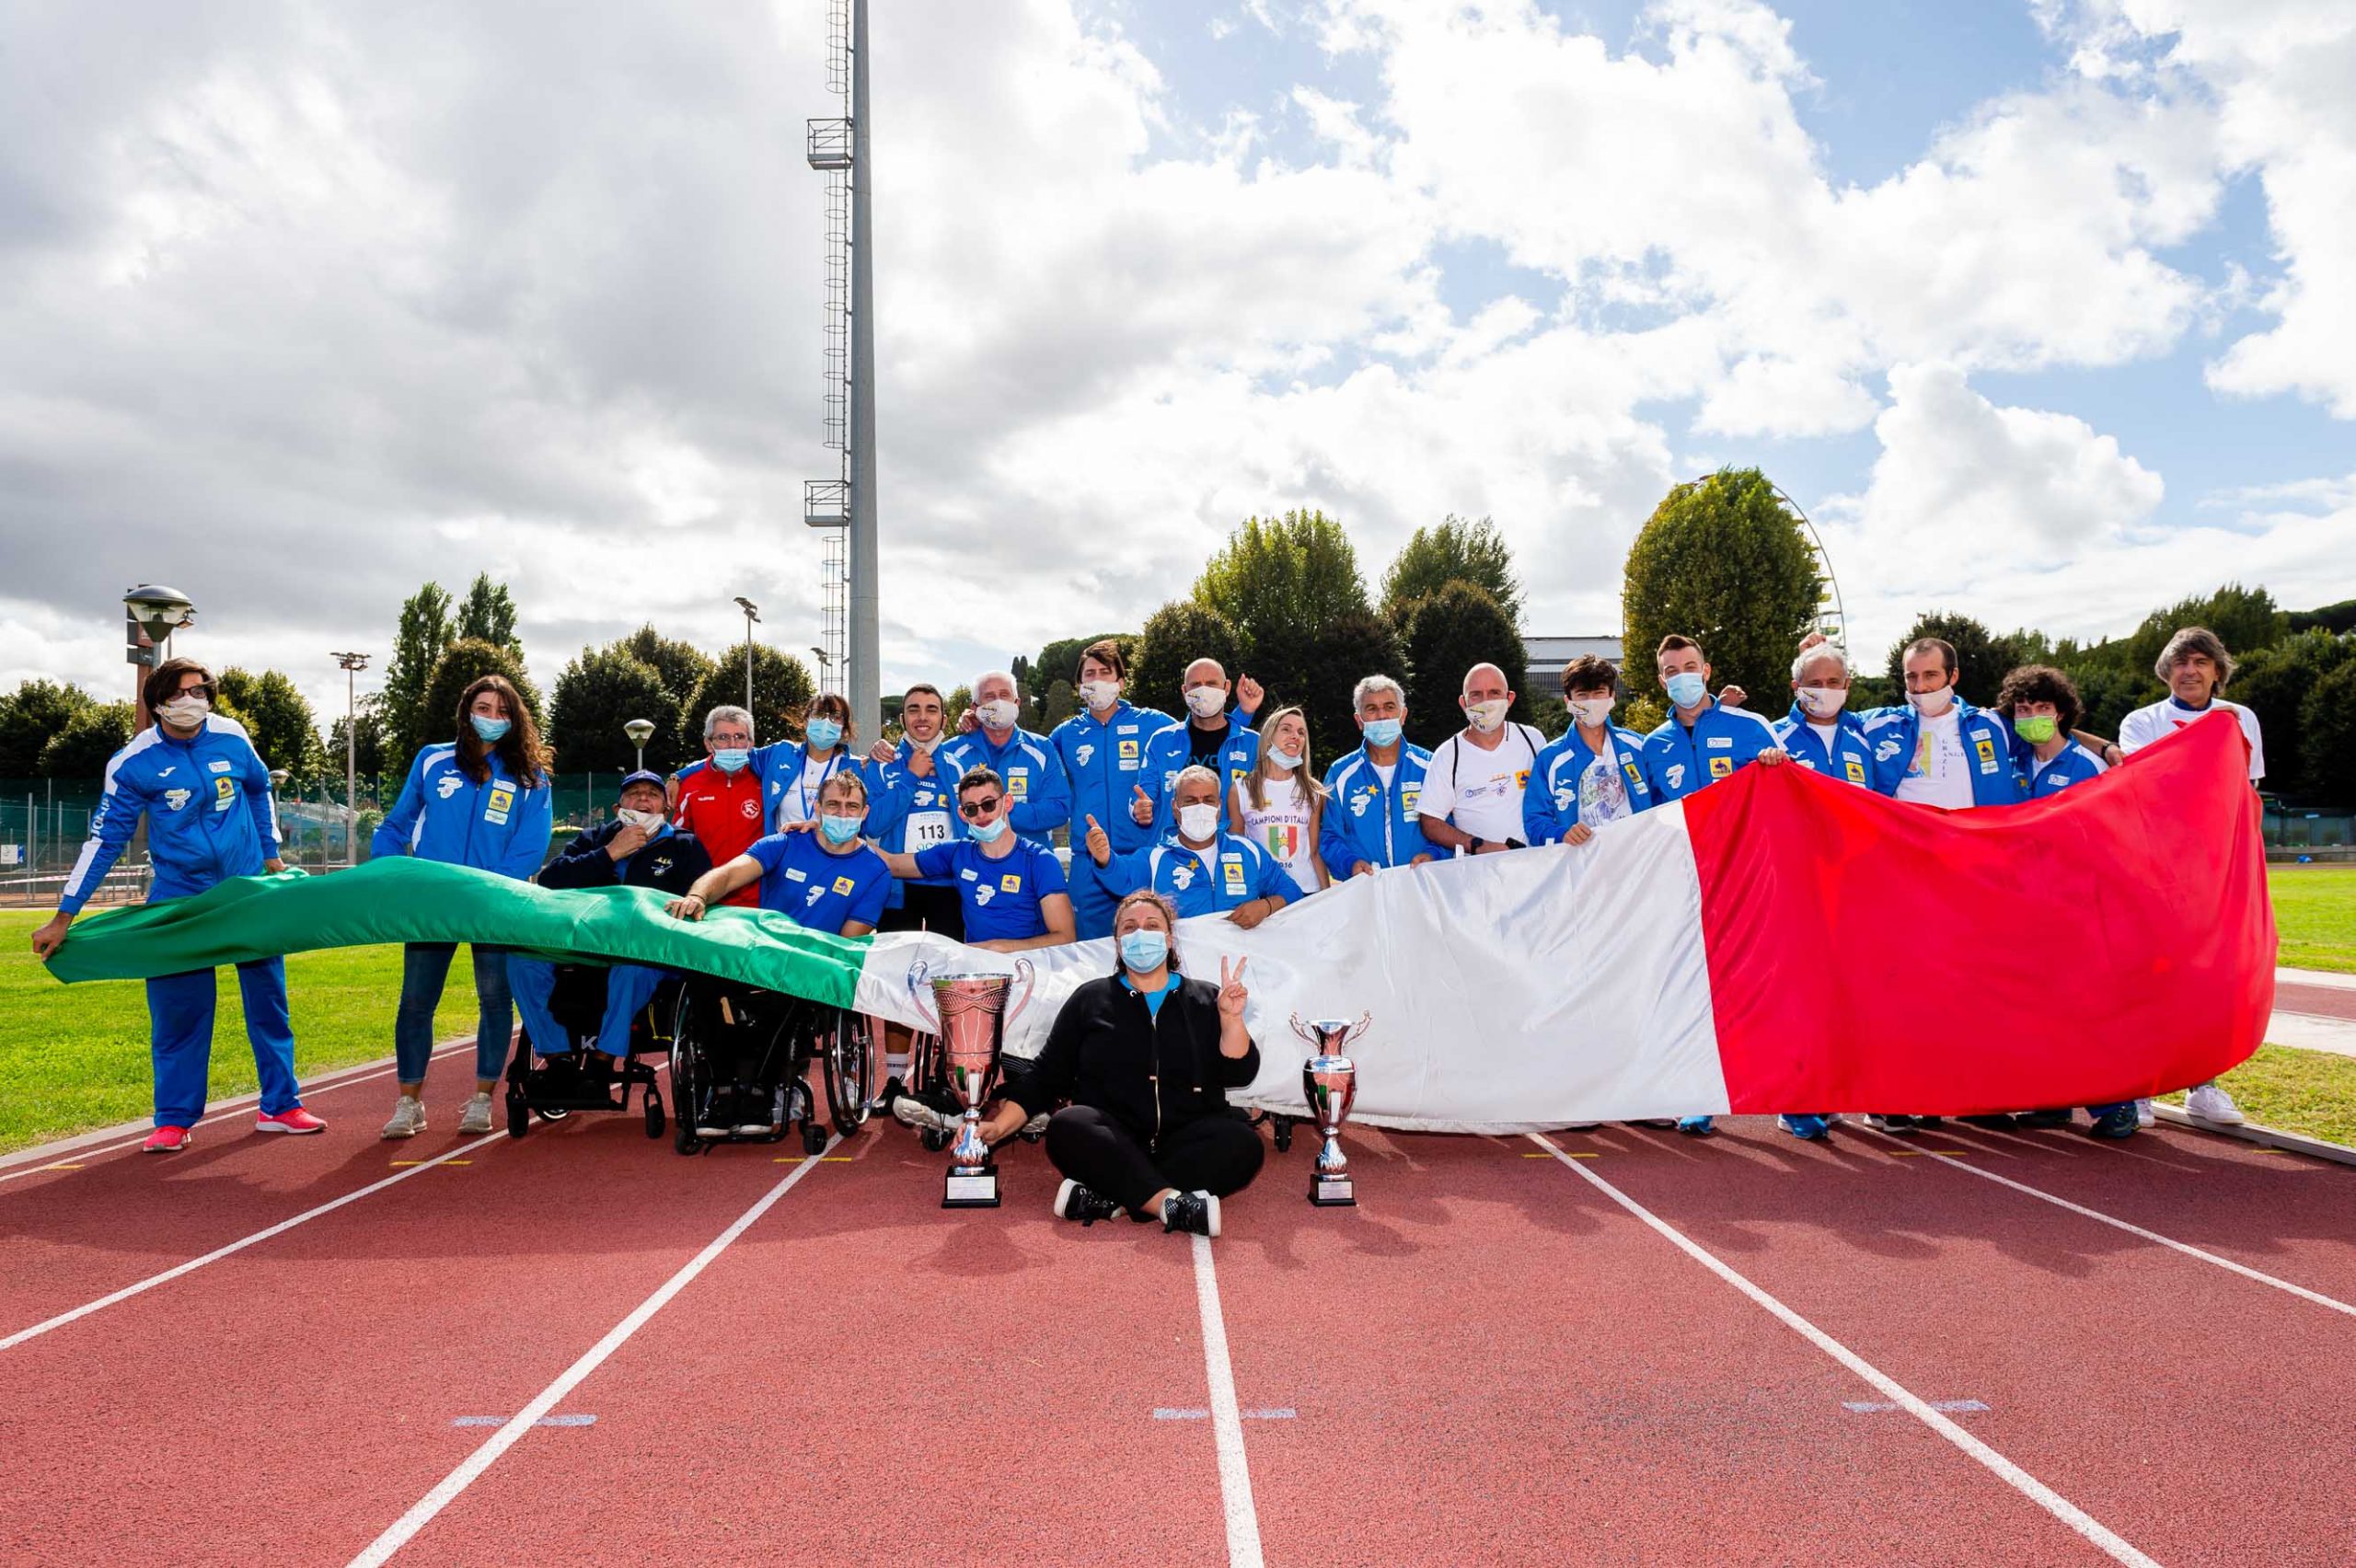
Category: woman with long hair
<point>484,799</point>
<point>1279,805</point>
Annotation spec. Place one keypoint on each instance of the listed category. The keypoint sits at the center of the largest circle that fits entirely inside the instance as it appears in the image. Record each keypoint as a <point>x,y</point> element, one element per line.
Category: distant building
<point>1547,655</point>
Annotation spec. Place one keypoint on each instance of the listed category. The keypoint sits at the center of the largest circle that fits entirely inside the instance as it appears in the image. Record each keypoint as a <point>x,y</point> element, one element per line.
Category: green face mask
<point>2035,730</point>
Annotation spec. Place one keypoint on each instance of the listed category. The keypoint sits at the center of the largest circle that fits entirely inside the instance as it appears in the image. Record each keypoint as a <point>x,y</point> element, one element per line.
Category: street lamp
<point>639,732</point>
<point>353,664</point>
<point>152,613</point>
<point>752,614</point>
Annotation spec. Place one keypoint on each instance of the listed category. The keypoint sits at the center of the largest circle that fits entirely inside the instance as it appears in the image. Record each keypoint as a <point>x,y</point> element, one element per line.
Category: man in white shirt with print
<point>1473,788</point>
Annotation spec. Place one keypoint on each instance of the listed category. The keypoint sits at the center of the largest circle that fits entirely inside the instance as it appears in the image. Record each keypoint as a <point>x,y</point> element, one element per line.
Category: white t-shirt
<point>799,800</point>
<point>1282,828</point>
<point>1938,776</point>
<point>1829,734</point>
<point>1603,794</point>
<point>1383,770</point>
<point>1479,791</point>
<point>2143,726</point>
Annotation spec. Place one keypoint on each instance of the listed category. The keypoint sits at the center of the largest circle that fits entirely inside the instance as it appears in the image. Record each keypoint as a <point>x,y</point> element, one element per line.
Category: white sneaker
<point>476,1117</point>
<point>2144,1115</point>
<point>408,1118</point>
<point>2210,1103</point>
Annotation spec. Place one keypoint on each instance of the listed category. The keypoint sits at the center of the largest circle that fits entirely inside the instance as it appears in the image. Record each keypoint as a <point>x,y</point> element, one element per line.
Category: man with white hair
<point>1199,868</point>
<point>1038,795</point>
<point>1373,817</point>
<point>2195,667</point>
<point>1210,738</point>
<point>720,803</point>
<point>1472,790</point>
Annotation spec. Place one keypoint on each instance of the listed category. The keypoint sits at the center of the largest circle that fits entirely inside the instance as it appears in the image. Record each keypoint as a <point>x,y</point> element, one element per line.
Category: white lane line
<point>239,1106</point>
<point>2084,1524</point>
<point>1227,1422</point>
<point>2301,1291</point>
<point>422,1513</point>
<point>214,1256</point>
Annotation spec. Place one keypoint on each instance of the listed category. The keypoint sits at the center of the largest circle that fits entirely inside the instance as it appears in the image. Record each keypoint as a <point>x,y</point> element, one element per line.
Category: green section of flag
<point>401,900</point>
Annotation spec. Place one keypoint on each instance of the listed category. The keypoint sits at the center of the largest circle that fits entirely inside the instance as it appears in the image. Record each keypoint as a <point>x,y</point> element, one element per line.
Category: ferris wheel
<point>1828,618</point>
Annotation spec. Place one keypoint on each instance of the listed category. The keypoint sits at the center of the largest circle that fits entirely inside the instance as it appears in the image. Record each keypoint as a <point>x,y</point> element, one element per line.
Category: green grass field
<point>2315,909</point>
<point>73,1058</point>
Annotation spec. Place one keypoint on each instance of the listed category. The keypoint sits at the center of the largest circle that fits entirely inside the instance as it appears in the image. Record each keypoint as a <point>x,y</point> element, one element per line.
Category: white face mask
<point>1487,716</point>
<point>925,748</point>
<point>1206,701</point>
<point>1931,704</point>
<point>1591,711</point>
<point>650,820</point>
<point>1823,702</point>
<point>1198,823</point>
<point>185,711</point>
<point>998,715</point>
<point>1100,695</point>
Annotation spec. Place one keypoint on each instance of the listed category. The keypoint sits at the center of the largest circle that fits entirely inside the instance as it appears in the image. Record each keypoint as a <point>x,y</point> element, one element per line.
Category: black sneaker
<point>1904,1126</point>
<point>1996,1122</point>
<point>1930,1124</point>
<point>1084,1205</point>
<point>893,1088</point>
<point>2045,1121</point>
<point>2117,1122</point>
<point>1194,1212</point>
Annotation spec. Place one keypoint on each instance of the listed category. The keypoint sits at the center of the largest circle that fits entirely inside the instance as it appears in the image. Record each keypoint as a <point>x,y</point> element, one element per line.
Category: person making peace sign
<point>1145,1056</point>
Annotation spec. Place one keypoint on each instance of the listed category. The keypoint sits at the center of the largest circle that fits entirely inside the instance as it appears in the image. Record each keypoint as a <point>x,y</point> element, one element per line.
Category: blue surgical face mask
<point>1384,731</point>
<point>488,729</point>
<point>1687,689</point>
<point>841,830</point>
<point>1143,951</point>
<point>987,832</point>
<point>822,734</point>
<point>732,759</point>
<point>1284,758</point>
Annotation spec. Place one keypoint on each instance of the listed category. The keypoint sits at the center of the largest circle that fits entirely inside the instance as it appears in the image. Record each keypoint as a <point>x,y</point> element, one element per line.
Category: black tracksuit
<point>1148,1094</point>
<point>669,864</point>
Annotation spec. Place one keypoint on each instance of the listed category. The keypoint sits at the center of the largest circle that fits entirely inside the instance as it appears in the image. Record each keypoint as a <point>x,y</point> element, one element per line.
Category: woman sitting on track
<point>1145,1056</point>
<point>827,879</point>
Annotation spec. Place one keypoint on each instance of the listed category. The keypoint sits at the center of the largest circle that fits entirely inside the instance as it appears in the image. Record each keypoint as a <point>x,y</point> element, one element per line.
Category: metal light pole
<point>353,664</point>
<point>639,732</point>
<point>752,614</point>
<point>866,674</point>
<point>152,613</point>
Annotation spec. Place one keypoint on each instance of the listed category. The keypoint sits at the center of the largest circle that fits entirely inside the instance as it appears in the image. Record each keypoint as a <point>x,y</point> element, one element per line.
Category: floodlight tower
<point>845,506</point>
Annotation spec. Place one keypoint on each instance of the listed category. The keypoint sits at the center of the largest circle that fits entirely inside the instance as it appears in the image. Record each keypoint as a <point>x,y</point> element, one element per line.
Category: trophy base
<point>1331,1192</point>
<point>970,1189</point>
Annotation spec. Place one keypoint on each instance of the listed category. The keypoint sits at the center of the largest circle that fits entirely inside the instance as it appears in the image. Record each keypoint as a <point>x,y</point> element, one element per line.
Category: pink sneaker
<point>166,1140</point>
<point>294,1119</point>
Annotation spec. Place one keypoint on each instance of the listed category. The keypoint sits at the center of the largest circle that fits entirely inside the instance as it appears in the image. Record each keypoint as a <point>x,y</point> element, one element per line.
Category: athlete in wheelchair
<point>591,1024</point>
<point>741,1056</point>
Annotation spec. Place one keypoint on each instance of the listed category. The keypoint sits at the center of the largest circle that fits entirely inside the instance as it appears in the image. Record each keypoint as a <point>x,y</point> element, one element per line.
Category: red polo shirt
<point>724,812</point>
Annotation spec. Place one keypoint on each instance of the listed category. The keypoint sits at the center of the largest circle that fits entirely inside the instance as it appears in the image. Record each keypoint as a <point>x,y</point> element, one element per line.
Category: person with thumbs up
<point>1199,868</point>
<point>1102,750</point>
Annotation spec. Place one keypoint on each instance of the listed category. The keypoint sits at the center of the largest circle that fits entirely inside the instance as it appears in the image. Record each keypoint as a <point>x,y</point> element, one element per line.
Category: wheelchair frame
<point>657,1024</point>
<point>838,1038</point>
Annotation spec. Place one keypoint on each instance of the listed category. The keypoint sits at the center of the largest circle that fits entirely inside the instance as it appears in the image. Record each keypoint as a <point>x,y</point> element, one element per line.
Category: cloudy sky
<point>2038,308</point>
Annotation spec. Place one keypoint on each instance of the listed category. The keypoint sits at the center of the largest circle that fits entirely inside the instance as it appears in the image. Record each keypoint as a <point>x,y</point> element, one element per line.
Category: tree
<point>1061,703</point>
<point>369,758</point>
<point>2276,683</point>
<point>278,720</point>
<point>953,709</point>
<point>89,739</point>
<point>2328,747</point>
<point>424,634</point>
<point>2337,618</point>
<point>1060,659</point>
<point>781,689</point>
<point>595,695</point>
<point>682,665</point>
<point>2246,620</point>
<point>1277,579</point>
<point>31,717</point>
<point>464,663</point>
<point>1447,634</point>
<point>1174,636</point>
<point>488,615</point>
<point>1453,551</point>
<point>1335,657</point>
<point>1981,658</point>
<point>1724,563</point>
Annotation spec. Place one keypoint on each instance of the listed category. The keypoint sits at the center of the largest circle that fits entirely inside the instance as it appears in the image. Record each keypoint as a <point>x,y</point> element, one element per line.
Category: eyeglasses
<point>977,808</point>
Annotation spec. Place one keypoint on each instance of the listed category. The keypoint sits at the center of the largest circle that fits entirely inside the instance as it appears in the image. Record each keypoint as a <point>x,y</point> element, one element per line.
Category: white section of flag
<point>1510,993</point>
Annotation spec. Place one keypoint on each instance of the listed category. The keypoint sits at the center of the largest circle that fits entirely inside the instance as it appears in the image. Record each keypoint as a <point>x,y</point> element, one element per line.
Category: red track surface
<point>1489,1360</point>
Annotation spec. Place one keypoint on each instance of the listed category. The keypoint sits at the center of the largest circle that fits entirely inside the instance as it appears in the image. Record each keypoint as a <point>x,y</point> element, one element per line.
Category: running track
<point>1609,1347</point>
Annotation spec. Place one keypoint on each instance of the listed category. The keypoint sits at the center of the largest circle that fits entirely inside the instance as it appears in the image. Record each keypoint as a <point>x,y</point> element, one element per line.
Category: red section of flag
<point>2112,941</point>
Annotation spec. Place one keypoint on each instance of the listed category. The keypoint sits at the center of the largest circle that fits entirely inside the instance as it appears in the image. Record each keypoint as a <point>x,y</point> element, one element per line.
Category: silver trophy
<point>1331,1081</point>
<point>970,1015</point>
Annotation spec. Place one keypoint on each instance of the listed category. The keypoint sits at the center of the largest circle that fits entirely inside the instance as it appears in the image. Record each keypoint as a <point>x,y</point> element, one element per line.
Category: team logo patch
<point>1183,877</point>
<point>1010,882</point>
<point>1856,770</point>
<point>983,894</point>
<point>1720,767</point>
<point>1987,749</point>
<point>967,875</point>
<point>175,799</point>
<point>1358,801</point>
<point>795,873</point>
<point>225,791</point>
<point>1521,779</point>
<point>1885,751</point>
<point>815,894</point>
<point>1676,775</point>
<point>662,865</point>
<point>448,785</point>
<point>1018,783</point>
<point>752,808</point>
<point>503,796</point>
<point>1086,750</point>
<point>1128,751</point>
<point>1407,799</point>
<point>1719,743</point>
<point>1233,866</point>
<point>843,886</point>
<point>211,766</point>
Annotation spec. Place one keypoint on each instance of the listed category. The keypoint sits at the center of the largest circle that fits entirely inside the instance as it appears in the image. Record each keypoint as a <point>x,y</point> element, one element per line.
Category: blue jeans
<point>180,1013</point>
<point>424,967</point>
<point>628,987</point>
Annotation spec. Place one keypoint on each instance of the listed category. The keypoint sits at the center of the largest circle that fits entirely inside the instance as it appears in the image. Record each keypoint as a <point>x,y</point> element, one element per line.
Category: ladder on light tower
<point>828,504</point>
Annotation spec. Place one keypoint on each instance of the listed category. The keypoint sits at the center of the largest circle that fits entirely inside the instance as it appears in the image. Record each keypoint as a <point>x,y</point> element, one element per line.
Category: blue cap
<point>643,776</point>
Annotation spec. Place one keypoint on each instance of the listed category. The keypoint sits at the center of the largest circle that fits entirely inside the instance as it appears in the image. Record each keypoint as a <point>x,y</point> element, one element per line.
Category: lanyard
<point>802,783</point>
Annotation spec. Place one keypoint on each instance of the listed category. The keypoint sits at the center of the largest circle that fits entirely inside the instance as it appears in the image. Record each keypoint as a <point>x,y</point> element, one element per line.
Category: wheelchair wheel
<point>846,1069</point>
<point>653,1113</point>
<point>690,1082</point>
<point>1283,1132</point>
<point>519,1110</point>
<point>933,1142</point>
<point>814,1138</point>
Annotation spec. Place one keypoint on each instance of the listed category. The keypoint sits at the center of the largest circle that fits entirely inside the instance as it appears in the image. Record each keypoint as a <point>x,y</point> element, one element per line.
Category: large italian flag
<point>1779,942</point>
